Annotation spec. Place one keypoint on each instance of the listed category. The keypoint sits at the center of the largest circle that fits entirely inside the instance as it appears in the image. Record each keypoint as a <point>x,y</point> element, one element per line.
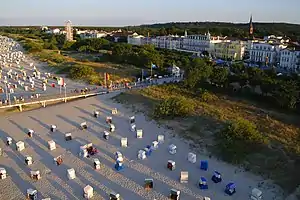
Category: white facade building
<point>190,43</point>
<point>175,71</point>
<point>93,35</point>
<point>79,32</point>
<point>166,42</point>
<point>56,31</point>
<point>290,58</point>
<point>135,39</point>
<point>262,52</point>
<point>200,43</point>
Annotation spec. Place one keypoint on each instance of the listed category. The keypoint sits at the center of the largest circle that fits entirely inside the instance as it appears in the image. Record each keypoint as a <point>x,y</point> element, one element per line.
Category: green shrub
<point>32,46</point>
<point>51,57</point>
<point>238,139</point>
<point>174,107</point>
<point>95,80</point>
<point>81,72</point>
<point>206,96</point>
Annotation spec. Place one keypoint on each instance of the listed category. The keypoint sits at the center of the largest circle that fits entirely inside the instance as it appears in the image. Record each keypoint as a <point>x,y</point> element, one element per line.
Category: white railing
<point>51,98</point>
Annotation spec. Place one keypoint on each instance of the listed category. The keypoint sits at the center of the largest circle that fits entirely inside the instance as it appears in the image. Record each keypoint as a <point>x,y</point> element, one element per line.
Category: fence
<point>51,98</point>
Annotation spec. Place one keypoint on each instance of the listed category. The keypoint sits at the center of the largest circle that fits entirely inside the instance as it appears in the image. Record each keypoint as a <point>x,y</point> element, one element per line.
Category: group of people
<point>84,91</point>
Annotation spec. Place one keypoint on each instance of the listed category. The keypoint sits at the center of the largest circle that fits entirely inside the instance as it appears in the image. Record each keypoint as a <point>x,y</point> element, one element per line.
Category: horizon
<point>134,12</point>
<point>146,24</point>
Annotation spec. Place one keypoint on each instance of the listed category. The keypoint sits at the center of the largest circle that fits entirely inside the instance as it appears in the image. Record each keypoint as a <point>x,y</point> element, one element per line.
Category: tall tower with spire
<point>251,26</point>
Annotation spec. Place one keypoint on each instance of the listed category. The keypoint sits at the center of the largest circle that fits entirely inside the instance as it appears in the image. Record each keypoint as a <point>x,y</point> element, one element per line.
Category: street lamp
<point>65,86</point>
<point>6,96</point>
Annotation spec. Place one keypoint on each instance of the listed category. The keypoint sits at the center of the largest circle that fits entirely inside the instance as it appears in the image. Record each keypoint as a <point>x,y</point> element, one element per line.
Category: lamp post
<point>9,102</point>
<point>65,86</point>
<point>6,96</point>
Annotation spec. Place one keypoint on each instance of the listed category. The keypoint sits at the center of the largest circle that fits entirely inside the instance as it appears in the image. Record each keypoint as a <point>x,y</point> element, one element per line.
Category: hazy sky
<point>134,12</point>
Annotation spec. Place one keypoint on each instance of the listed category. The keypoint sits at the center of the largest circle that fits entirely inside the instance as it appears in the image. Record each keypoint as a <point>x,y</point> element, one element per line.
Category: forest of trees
<point>216,28</point>
<point>221,29</point>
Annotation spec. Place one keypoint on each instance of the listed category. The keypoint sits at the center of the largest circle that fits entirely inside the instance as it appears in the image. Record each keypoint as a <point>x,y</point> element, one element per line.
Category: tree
<point>255,76</point>
<point>237,68</point>
<point>219,75</point>
<point>81,71</point>
<point>267,85</point>
<point>174,107</point>
<point>83,48</point>
<point>238,139</point>
<point>197,72</point>
<point>286,94</point>
<point>61,39</point>
<point>68,45</point>
<point>32,46</point>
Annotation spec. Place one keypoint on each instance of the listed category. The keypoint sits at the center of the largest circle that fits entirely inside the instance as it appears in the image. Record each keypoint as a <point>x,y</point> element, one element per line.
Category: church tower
<point>251,27</point>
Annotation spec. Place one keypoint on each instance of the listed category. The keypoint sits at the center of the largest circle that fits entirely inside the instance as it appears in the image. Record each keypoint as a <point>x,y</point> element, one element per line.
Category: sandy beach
<point>130,181</point>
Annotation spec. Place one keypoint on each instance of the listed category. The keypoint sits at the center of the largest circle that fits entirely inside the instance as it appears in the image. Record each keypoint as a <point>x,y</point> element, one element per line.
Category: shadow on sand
<point>46,126</point>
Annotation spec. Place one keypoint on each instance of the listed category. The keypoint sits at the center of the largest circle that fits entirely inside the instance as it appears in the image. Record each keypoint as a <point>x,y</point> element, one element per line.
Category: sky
<point>136,12</point>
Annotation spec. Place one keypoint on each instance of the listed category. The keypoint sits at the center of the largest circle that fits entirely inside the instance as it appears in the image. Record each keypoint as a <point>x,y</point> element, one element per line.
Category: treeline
<point>221,29</point>
<point>140,56</point>
<point>263,85</point>
<point>122,53</point>
<point>216,28</point>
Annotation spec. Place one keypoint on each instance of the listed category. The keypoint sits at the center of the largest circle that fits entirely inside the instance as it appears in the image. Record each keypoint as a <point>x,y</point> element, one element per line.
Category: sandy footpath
<point>129,182</point>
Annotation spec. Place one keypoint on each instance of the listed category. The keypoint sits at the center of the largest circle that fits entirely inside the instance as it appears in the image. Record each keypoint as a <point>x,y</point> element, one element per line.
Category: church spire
<point>251,26</point>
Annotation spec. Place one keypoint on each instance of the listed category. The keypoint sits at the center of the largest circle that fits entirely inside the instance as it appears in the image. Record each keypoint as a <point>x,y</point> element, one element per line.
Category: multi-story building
<point>53,31</point>
<point>229,50</point>
<point>290,58</point>
<point>93,34</point>
<point>135,39</point>
<point>266,53</point>
<point>200,43</point>
<point>167,42</point>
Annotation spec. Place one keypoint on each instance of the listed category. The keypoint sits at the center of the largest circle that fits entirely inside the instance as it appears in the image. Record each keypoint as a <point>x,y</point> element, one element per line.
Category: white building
<point>167,42</point>
<point>135,39</point>
<point>56,31</point>
<point>78,32</point>
<point>53,31</point>
<point>175,71</point>
<point>200,43</point>
<point>290,58</point>
<point>44,28</point>
<point>262,52</point>
<point>94,34</point>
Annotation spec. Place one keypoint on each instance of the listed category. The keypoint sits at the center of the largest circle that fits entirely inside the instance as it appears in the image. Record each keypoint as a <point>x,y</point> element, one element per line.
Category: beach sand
<point>128,182</point>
